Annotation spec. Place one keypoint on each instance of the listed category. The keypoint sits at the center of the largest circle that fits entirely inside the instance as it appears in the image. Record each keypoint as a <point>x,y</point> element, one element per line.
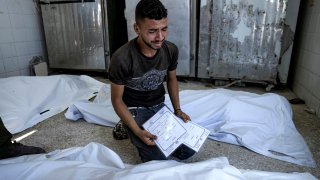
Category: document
<point>171,132</point>
<point>197,136</point>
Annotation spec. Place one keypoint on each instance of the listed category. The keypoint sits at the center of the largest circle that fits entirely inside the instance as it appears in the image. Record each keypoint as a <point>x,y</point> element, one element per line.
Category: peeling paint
<point>242,37</point>
<point>286,39</point>
<point>241,32</point>
<point>203,3</point>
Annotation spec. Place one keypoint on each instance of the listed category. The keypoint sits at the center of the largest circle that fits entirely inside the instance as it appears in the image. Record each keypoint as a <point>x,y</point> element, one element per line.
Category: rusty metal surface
<point>240,39</point>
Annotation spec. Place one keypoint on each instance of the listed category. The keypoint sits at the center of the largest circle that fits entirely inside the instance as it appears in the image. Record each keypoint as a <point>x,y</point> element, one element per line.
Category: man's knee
<point>150,153</point>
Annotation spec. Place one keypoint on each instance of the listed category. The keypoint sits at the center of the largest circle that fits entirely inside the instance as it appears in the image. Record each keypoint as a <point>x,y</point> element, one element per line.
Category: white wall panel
<point>21,36</point>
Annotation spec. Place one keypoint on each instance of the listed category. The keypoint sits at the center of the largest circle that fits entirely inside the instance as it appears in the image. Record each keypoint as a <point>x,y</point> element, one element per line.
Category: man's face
<point>152,32</point>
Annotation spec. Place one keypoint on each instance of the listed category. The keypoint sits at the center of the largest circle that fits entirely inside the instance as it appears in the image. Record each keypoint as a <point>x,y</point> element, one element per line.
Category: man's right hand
<point>147,137</point>
<point>122,111</point>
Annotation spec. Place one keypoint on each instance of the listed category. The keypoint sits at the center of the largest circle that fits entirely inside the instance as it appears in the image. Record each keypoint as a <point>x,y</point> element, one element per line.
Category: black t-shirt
<point>142,76</point>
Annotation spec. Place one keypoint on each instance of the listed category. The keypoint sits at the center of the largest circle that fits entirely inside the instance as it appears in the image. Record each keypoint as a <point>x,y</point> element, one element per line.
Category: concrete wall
<point>305,72</point>
<point>21,36</point>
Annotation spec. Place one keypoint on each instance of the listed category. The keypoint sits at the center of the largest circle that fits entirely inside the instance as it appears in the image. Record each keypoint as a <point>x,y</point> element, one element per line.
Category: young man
<point>137,72</point>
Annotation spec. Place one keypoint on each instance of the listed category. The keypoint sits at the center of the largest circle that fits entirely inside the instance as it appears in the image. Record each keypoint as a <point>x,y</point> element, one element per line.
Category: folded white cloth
<point>261,123</point>
<point>95,161</point>
<point>28,100</point>
<point>100,111</point>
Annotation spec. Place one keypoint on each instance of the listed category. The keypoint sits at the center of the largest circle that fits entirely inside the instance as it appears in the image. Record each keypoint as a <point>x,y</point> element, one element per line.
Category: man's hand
<point>182,115</point>
<point>147,137</point>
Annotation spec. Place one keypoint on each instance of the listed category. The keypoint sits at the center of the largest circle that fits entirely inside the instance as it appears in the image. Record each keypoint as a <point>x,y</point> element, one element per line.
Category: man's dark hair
<point>152,9</point>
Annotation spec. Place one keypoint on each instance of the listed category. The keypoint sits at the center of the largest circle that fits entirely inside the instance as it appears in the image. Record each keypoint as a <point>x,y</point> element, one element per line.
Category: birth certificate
<point>169,130</point>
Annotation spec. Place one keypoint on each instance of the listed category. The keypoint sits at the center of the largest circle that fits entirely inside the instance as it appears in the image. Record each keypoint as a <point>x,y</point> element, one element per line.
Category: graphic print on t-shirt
<point>149,81</point>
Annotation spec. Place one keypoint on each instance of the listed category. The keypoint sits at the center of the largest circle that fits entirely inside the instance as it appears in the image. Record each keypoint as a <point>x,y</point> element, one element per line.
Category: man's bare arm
<point>122,111</point>
<point>173,90</point>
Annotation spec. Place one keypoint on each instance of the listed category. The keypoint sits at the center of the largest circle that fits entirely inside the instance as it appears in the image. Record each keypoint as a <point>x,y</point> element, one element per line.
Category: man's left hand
<point>182,115</point>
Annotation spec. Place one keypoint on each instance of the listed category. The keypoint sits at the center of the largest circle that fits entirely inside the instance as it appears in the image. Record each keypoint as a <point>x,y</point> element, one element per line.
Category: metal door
<point>240,39</point>
<point>74,32</point>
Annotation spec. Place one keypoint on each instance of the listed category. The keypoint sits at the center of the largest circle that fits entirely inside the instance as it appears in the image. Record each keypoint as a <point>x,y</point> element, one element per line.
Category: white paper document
<point>171,132</point>
<point>196,135</point>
